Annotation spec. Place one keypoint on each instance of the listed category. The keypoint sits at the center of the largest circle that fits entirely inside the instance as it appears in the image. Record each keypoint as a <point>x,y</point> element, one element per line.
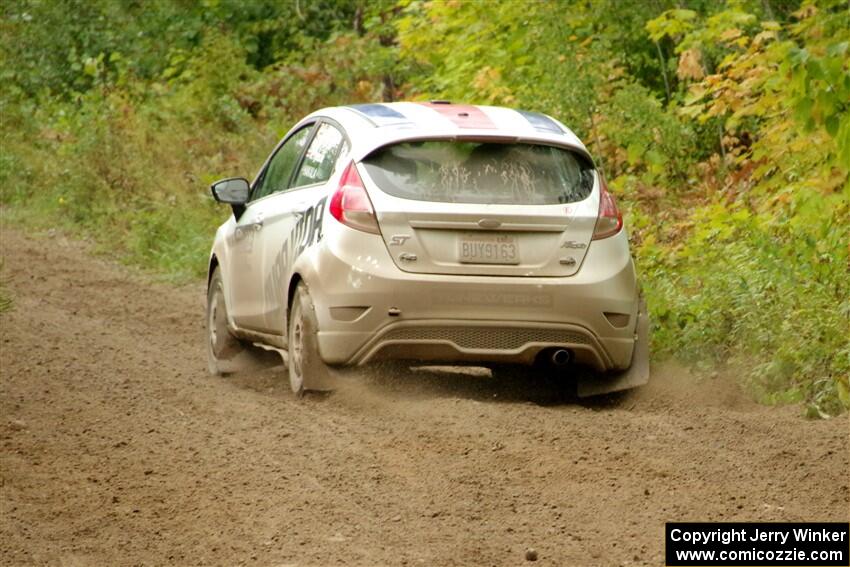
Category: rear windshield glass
<point>481,172</point>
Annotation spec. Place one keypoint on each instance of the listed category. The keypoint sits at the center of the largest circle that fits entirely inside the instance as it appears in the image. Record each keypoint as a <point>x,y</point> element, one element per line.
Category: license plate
<point>488,249</point>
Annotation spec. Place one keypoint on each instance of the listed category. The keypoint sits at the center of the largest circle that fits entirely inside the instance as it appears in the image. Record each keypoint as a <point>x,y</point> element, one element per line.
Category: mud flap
<point>322,378</point>
<point>637,374</point>
<point>318,376</point>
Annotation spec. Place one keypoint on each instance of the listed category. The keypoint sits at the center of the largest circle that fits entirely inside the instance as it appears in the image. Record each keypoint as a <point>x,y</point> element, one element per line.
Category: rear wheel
<point>307,370</point>
<point>222,346</point>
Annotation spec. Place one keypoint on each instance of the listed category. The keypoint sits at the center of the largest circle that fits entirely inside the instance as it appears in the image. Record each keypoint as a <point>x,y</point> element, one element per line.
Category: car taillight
<point>610,219</point>
<point>351,206</point>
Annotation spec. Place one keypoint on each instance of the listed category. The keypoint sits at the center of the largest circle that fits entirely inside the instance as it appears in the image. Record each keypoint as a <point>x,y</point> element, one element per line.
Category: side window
<point>342,158</point>
<point>276,176</point>
<point>320,159</point>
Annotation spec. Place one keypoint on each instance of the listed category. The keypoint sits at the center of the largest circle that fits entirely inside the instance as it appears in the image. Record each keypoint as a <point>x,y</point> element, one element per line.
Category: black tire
<point>222,346</point>
<point>307,370</point>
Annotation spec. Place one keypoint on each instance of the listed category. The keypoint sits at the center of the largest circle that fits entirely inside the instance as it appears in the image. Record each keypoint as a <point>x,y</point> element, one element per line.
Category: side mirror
<point>233,191</point>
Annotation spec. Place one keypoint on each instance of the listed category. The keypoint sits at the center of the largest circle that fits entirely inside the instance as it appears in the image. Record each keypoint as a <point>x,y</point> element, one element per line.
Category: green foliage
<point>531,55</point>
<point>654,140</point>
<point>132,171</point>
<point>737,289</point>
<point>123,147</point>
<point>722,127</point>
<point>760,277</point>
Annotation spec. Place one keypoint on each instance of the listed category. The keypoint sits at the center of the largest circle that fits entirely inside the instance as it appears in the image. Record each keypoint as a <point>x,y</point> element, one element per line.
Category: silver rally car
<point>430,233</point>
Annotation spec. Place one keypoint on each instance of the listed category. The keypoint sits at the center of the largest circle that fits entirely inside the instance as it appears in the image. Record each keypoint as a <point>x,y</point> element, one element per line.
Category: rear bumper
<point>484,341</point>
<point>371,310</point>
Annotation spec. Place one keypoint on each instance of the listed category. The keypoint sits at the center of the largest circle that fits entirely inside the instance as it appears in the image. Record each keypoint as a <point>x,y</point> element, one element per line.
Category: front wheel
<point>307,370</point>
<point>222,346</point>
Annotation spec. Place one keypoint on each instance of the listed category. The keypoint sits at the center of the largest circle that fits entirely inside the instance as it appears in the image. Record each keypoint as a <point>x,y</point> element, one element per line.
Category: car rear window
<point>481,172</point>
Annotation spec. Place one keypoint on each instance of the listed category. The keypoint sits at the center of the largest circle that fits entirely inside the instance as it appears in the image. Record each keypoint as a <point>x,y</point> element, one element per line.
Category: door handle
<point>258,224</point>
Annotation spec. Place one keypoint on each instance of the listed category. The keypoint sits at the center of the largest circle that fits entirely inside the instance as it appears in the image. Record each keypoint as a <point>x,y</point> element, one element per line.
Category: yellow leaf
<point>729,35</point>
<point>764,37</point>
<point>690,64</point>
<point>805,12</point>
<point>718,108</point>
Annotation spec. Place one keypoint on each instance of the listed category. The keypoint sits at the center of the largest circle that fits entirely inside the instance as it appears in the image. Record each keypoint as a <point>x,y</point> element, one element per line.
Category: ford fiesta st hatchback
<point>431,233</point>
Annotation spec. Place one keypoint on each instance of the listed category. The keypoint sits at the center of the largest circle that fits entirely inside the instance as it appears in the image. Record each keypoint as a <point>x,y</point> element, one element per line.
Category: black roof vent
<point>440,102</point>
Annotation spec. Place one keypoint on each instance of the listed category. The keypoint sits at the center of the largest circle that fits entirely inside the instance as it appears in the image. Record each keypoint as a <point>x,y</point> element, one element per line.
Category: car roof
<point>373,125</point>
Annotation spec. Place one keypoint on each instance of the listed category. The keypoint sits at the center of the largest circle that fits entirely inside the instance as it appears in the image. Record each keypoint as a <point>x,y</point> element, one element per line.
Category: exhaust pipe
<point>561,357</point>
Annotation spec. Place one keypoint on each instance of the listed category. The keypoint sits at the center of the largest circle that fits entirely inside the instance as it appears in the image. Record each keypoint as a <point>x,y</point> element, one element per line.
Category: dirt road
<point>119,449</point>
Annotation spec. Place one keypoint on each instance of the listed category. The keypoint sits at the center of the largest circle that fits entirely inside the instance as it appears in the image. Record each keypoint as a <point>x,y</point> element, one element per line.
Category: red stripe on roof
<point>462,115</point>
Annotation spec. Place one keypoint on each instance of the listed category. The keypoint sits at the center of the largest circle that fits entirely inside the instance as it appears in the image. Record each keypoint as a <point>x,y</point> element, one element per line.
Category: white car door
<point>243,267</point>
<point>248,305</point>
<point>293,220</point>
